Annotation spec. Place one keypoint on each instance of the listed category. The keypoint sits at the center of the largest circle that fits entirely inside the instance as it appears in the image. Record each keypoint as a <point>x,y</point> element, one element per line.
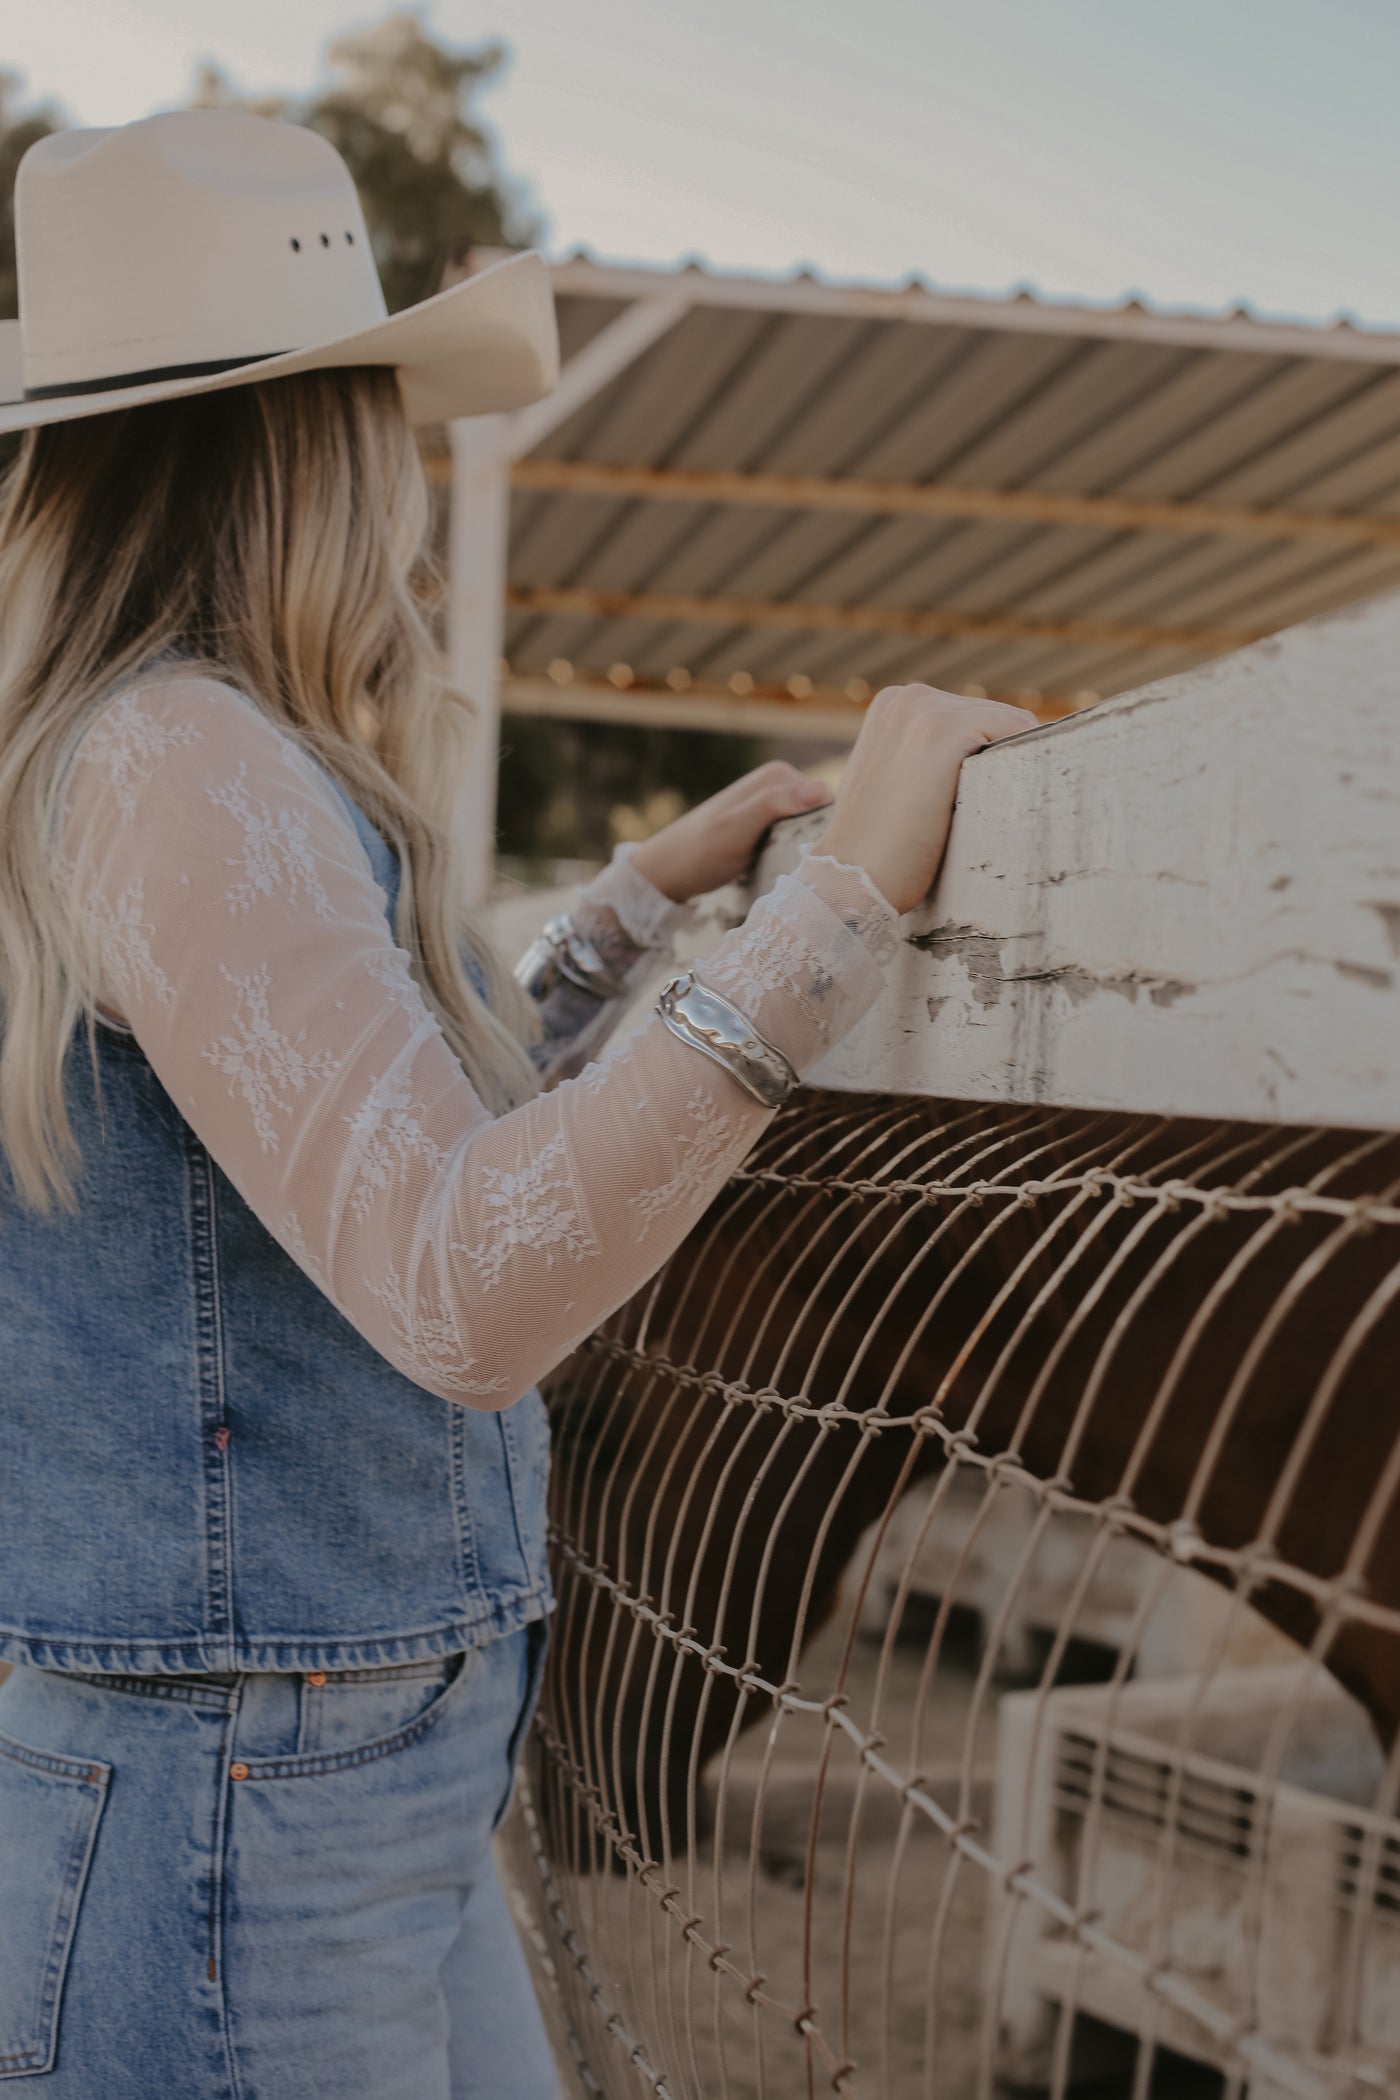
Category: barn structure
<point>750,502</point>
<point>1065,1296</point>
<point>978,1660</point>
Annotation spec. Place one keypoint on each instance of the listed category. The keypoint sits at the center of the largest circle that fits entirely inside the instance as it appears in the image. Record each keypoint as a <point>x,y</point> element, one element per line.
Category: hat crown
<point>189,240</point>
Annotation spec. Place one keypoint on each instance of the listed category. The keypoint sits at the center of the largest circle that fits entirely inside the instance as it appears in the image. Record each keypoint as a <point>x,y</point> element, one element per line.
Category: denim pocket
<point>378,1714</point>
<point>49,1811</point>
<point>342,1709</point>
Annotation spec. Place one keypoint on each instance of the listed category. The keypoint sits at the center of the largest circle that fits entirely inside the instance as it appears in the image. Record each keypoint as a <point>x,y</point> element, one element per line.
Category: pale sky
<point>1197,153</point>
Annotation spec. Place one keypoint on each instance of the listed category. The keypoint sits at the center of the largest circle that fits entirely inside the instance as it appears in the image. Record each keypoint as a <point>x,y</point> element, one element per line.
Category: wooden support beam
<point>550,601</point>
<point>592,368</point>
<point>584,477</point>
<point>743,710</point>
<point>699,707</point>
<point>1183,901</point>
<point>479,532</point>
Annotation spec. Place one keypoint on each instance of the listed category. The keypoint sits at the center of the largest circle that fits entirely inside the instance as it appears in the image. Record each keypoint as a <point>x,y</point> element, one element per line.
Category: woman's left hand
<point>714,843</point>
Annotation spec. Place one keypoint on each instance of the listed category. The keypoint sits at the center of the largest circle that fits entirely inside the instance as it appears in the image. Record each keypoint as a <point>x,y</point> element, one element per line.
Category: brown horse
<point>1188,1330</point>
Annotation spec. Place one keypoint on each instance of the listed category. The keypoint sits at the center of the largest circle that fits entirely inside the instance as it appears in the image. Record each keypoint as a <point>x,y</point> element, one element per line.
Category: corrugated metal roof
<point>918,388</point>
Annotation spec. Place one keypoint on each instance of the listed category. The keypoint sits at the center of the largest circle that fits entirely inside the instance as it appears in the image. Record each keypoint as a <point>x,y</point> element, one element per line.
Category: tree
<point>19,129</point>
<point>568,790</point>
<point>400,108</point>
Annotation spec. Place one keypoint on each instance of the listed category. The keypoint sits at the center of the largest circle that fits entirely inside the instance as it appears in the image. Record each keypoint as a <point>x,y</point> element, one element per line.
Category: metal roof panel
<point>919,387</point>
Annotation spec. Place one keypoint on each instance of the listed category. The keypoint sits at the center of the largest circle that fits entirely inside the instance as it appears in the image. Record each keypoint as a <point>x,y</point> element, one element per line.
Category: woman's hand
<point>895,802</point>
<point>714,843</point>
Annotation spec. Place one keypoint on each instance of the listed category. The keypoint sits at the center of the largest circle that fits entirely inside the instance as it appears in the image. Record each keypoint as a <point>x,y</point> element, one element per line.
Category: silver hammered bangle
<point>709,1023</point>
<point>560,950</point>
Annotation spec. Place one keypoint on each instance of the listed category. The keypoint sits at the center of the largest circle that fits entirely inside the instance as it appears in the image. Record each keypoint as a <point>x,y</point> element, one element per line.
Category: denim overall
<point>277,1615</point>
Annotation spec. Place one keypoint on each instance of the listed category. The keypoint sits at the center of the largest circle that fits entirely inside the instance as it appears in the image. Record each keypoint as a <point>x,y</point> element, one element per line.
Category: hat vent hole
<point>325,240</point>
<point>296,245</point>
<point>349,238</point>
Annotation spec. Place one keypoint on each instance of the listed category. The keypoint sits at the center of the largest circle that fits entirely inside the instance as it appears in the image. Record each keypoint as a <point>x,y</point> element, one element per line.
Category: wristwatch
<point>709,1023</point>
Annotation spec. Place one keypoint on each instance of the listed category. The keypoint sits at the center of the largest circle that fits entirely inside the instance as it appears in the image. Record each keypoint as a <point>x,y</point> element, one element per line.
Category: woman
<point>304,1207</point>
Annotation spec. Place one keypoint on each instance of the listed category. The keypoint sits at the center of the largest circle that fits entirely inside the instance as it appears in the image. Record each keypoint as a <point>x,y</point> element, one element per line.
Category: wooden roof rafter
<point>807,616</point>
<point>947,500</point>
<point>739,704</point>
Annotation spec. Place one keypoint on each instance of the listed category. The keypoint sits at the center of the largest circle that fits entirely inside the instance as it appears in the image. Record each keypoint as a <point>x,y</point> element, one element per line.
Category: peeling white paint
<point>1186,900</point>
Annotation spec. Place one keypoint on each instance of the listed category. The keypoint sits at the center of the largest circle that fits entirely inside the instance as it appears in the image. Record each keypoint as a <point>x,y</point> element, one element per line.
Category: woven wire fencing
<point>977,1665</point>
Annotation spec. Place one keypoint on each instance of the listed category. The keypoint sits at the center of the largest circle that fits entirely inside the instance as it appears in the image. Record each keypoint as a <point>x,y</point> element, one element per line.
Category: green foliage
<point>19,129</point>
<point>400,108</point>
<point>561,782</point>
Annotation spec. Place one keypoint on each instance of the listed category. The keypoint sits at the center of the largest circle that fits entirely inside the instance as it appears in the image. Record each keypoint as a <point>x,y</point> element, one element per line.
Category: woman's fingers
<point>898,791</point>
<point>768,795</point>
<point>894,803</point>
<point>1016,720</point>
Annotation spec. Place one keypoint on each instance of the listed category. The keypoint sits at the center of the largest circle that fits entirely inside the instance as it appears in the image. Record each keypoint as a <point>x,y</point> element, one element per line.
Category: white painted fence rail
<point>1183,901</point>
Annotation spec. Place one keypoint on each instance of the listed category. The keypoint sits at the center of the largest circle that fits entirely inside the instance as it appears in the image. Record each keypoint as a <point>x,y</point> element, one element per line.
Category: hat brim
<point>484,346</point>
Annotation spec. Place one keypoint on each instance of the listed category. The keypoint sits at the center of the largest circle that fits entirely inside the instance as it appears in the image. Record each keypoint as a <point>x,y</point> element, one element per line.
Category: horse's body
<point>1053,1297</point>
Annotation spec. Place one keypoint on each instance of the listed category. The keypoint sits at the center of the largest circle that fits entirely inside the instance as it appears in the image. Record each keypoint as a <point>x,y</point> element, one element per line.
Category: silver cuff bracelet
<point>708,1022</point>
<point>560,950</point>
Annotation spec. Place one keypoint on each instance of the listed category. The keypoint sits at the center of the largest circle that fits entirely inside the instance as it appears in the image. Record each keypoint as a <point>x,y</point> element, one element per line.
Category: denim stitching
<point>93,1777</point>
<point>85,1769</point>
<point>313,1704</point>
<point>515,1483</point>
<point>391,1673</point>
<point>141,1687</point>
<point>218,1890</point>
<point>536,1654</point>
<point>216,1855</point>
<point>469,1561</point>
<point>212,1396</point>
<point>498,1612</point>
<point>368,1753</point>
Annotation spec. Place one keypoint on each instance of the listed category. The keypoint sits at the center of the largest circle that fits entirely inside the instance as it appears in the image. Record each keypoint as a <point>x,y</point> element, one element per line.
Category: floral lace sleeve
<point>237,929</point>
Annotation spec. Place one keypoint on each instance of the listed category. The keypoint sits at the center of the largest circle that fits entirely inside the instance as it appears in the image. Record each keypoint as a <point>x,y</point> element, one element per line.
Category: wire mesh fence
<point>977,1665</point>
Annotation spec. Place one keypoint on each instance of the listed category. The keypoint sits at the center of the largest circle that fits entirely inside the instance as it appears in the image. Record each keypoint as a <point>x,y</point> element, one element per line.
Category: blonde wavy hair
<point>274,536</point>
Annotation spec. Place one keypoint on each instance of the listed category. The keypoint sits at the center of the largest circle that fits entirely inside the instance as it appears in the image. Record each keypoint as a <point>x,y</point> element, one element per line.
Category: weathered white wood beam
<point>592,368</point>
<point>1185,900</point>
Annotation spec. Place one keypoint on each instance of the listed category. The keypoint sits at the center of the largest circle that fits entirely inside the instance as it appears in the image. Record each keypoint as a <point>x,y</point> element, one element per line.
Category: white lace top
<point>242,937</point>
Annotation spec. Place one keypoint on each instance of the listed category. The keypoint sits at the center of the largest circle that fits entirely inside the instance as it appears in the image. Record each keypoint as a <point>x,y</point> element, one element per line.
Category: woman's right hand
<point>895,802</point>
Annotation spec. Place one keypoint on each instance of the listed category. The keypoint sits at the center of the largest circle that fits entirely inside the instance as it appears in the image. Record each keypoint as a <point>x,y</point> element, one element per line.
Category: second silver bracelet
<point>560,950</point>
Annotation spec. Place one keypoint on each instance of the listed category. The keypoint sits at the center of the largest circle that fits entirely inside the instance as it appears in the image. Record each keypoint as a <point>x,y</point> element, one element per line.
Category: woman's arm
<point>629,911</point>
<point>631,924</point>
<point>239,931</point>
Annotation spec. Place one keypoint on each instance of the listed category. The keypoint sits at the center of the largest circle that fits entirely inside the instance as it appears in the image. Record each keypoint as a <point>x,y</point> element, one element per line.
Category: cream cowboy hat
<point>205,248</point>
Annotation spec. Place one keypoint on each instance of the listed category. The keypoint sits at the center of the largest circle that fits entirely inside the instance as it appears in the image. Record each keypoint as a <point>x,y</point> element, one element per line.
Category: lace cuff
<point>648,917</point>
<point>864,907</point>
<point>806,965</point>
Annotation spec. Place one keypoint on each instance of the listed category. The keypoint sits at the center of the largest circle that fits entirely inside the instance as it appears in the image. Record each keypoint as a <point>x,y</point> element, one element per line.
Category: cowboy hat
<point>205,248</point>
